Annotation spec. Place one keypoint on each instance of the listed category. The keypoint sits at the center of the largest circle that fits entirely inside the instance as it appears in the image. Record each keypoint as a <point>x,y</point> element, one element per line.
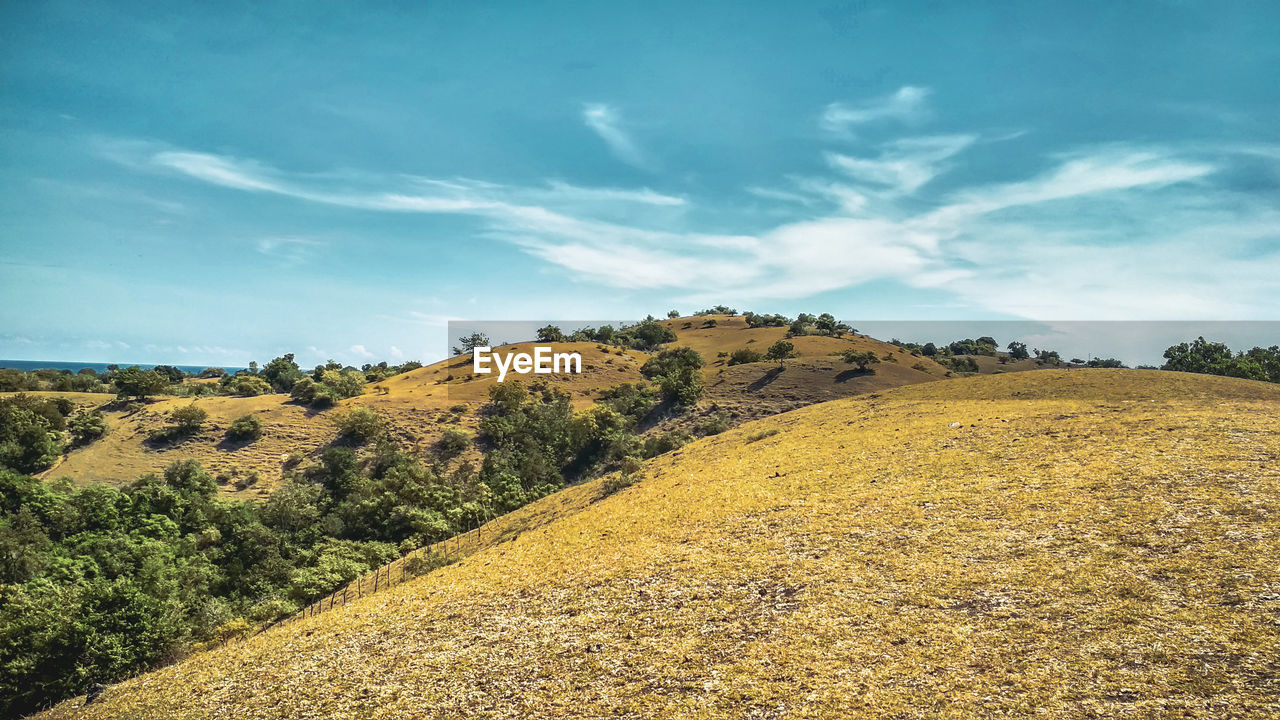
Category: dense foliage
<point>1214,358</point>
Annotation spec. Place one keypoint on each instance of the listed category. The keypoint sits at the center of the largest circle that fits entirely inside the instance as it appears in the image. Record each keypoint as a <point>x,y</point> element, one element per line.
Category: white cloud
<point>903,166</point>
<point>289,250</point>
<point>1115,231</point>
<point>605,121</point>
<point>909,104</point>
<point>360,352</point>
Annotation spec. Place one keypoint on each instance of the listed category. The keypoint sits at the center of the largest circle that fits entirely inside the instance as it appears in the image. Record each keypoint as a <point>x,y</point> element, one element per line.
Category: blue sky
<point>226,182</point>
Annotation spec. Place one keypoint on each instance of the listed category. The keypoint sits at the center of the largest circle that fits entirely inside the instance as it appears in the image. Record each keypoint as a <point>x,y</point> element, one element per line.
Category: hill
<point>1065,544</point>
<point>421,403</point>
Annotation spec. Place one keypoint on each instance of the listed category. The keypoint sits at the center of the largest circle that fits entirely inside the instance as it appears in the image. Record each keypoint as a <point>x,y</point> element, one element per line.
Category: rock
<point>955,425</point>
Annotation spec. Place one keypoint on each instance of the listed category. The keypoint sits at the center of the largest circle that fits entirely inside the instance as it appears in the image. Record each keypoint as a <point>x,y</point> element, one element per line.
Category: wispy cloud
<point>606,122</point>
<point>289,251</point>
<point>1116,230</point>
<point>903,166</point>
<point>909,104</point>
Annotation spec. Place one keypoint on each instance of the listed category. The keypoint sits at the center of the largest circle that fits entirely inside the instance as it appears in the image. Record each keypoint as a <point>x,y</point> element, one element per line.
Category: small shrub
<point>248,480</point>
<point>423,563</point>
<point>86,427</point>
<point>745,356</point>
<point>360,424</point>
<point>760,435</point>
<point>188,419</point>
<point>715,425</point>
<point>245,428</point>
<point>460,408</point>
<point>666,442</point>
<point>293,461</point>
<point>453,442</point>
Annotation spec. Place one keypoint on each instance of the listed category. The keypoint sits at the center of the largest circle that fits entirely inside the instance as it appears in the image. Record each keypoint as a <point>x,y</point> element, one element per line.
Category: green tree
<point>678,372</point>
<point>282,373</point>
<point>467,343</point>
<point>780,351</point>
<point>863,360</point>
<point>550,334</point>
<point>138,383</point>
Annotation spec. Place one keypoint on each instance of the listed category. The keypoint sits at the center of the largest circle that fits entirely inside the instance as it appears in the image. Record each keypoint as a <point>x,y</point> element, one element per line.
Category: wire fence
<point>412,565</point>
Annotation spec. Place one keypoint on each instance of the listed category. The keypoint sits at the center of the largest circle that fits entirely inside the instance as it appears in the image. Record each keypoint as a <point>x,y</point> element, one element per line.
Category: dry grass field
<point>418,404</point>
<point>1099,543</point>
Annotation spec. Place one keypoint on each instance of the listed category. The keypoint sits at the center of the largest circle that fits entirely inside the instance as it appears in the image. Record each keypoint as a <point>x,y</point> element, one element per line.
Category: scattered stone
<point>955,425</point>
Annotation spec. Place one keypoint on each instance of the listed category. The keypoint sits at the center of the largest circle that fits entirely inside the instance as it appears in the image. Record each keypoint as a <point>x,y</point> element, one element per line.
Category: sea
<point>98,367</point>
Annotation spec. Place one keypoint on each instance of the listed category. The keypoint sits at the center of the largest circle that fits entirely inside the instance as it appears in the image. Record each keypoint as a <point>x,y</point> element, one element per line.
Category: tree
<point>282,373</point>
<point>1018,351</point>
<point>929,349</point>
<point>30,433</point>
<point>673,314</point>
<point>826,324</point>
<point>138,383</point>
<point>744,356</point>
<point>678,372</point>
<point>863,360</point>
<point>780,351</point>
<point>468,343</point>
<point>550,334</point>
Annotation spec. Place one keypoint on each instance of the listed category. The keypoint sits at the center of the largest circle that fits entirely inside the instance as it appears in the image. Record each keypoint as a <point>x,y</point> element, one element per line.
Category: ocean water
<point>27,365</point>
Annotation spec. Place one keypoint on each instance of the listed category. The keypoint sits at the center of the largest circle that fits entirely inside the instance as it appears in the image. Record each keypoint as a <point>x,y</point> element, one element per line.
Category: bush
<point>635,401</point>
<point>715,425</point>
<point>745,356</point>
<point>245,428</point>
<point>863,360</point>
<point>30,433</point>
<point>248,386</point>
<point>678,372</point>
<point>360,424</point>
<point>86,427</point>
<point>760,435</point>
<point>453,442</point>
<point>188,419</point>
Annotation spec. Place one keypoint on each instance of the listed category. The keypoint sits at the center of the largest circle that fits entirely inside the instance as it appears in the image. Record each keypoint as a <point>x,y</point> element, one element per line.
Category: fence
<point>394,573</point>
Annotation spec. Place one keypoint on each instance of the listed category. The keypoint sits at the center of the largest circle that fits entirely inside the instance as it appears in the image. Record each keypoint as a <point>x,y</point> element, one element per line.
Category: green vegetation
<point>863,360</point>
<point>780,351</point>
<point>189,418</point>
<point>133,382</point>
<point>360,425</point>
<point>678,372</point>
<point>1214,358</point>
<point>745,356</point>
<point>245,428</point>
<point>31,431</point>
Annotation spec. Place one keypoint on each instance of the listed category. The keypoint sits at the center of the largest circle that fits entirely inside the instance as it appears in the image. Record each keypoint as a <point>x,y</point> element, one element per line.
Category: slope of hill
<point>1094,543</point>
<point>418,404</point>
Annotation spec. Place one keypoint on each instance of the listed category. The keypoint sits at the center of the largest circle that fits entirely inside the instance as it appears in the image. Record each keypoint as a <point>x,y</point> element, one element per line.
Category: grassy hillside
<point>1061,544</point>
<point>418,403</point>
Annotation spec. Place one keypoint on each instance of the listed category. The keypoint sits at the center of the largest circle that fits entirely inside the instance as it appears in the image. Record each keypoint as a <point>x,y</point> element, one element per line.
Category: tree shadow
<point>847,375</point>
<point>764,380</point>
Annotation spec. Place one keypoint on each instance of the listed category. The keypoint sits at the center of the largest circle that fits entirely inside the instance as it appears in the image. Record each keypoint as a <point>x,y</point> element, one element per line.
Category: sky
<point>223,182</point>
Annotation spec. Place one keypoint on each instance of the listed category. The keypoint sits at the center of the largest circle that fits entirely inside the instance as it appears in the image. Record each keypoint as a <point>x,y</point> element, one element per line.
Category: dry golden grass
<point>1082,544</point>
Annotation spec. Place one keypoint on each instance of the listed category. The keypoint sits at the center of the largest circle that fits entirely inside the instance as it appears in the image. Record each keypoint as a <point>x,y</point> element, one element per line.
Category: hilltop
<point>1064,544</point>
<point>420,404</point>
